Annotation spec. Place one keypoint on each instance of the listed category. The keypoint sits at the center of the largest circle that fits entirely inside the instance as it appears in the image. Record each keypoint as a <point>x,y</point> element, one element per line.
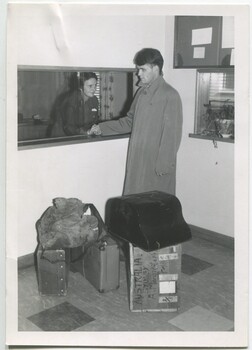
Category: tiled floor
<point>206,299</point>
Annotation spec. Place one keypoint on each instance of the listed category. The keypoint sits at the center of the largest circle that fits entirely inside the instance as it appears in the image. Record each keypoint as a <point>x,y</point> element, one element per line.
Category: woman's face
<point>89,87</point>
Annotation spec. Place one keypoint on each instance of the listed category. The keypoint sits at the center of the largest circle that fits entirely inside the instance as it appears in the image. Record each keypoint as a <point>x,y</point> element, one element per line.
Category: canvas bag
<point>66,224</point>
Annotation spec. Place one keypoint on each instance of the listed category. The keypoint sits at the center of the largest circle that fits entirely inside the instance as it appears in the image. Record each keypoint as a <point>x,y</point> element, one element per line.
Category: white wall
<point>69,35</point>
<point>91,172</point>
<point>205,174</point>
<point>94,172</point>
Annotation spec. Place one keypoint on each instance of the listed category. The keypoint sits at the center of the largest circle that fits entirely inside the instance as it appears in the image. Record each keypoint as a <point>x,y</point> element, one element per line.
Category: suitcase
<point>102,265</point>
<point>155,279</point>
<point>53,271</point>
<point>151,220</point>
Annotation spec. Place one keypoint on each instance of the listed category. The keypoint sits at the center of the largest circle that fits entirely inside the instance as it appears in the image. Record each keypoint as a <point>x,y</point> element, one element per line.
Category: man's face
<point>89,87</point>
<point>147,73</point>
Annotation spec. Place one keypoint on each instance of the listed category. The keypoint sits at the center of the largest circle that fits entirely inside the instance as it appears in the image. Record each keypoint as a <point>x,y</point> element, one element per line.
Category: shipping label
<point>165,257</point>
<point>168,277</point>
<point>168,299</point>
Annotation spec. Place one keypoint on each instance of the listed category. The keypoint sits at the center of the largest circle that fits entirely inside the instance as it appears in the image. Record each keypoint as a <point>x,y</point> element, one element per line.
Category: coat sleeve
<point>69,121</point>
<point>171,135</point>
<point>70,108</point>
<point>122,125</point>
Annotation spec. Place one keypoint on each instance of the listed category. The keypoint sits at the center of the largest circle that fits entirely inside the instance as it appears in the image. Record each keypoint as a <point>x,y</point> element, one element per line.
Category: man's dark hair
<point>149,56</point>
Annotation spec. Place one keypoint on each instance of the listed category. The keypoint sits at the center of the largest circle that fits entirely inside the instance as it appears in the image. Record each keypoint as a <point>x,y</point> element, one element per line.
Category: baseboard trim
<point>212,236</point>
<point>26,261</point>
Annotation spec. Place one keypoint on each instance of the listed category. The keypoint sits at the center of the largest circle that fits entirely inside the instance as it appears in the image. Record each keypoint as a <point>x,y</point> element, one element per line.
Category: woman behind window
<point>75,110</point>
<point>80,108</point>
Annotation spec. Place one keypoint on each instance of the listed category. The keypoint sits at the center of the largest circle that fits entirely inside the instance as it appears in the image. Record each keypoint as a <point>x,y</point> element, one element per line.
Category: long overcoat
<point>155,123</point>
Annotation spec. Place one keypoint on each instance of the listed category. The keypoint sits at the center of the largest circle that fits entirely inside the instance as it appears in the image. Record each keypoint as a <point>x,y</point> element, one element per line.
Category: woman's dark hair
<point>88,75</point>
<point>77,80</point>
<point>149,56</point>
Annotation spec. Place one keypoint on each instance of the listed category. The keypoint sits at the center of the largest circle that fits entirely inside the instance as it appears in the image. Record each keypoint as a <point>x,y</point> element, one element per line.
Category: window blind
<point>98,89</point>
<point>221,87</point>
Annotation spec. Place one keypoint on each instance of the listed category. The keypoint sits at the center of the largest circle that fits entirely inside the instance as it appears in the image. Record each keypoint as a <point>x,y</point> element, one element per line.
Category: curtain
<point>106,95</point>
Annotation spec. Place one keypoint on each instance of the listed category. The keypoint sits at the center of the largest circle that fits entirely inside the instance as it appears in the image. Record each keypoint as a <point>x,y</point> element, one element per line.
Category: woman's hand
<point>95,130</point>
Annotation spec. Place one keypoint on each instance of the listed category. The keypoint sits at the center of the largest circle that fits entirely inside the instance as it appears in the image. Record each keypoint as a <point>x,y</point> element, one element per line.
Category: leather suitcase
<point>102,265</point>
<point>149,220</point>
<point>155,279</point>
<point>53,271</point>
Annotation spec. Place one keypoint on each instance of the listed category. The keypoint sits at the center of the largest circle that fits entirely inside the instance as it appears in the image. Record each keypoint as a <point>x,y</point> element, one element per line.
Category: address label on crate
<point>168,299</point>
<point>165,257</point>
<point>167,287</point>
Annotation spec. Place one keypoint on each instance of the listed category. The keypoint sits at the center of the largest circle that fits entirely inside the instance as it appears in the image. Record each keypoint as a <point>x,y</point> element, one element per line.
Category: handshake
<point>95,130</point>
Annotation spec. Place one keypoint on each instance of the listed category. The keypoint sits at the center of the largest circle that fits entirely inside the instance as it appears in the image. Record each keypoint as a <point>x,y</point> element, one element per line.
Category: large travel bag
<point>150,220</point>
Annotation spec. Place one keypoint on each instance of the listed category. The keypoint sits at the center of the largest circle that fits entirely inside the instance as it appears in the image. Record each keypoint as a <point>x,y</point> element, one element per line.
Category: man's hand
<point>95,130</point>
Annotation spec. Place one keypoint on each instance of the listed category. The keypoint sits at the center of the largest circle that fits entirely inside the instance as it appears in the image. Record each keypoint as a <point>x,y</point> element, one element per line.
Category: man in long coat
<point>155,123</point>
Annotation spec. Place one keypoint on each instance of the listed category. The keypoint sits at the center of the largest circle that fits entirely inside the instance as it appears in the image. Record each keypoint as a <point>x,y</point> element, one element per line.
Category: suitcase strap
<point>101,241</point>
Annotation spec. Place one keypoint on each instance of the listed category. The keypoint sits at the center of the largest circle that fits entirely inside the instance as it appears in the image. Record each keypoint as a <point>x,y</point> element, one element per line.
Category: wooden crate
<point>155,279</point>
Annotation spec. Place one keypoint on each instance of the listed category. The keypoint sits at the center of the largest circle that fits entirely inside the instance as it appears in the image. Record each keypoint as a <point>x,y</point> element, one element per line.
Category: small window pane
<point>215,103</point>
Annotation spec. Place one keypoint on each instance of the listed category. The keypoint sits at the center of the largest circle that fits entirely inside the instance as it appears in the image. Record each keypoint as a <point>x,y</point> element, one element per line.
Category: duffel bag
<point>66,224</point>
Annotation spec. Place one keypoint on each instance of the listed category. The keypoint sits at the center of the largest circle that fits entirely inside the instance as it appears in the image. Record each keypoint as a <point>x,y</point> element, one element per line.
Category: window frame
<point>75,139</point>
<point>198,97</point>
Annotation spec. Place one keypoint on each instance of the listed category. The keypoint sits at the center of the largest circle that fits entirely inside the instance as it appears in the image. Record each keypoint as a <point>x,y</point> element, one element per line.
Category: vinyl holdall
<point>150,220</point>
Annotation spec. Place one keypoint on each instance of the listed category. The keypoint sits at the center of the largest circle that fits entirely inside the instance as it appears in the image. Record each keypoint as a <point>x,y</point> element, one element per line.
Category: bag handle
<point>101,225</point>
<point>102,229</point>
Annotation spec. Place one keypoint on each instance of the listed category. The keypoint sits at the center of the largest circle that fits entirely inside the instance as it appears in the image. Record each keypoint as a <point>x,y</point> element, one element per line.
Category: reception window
<point>44,94</point>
